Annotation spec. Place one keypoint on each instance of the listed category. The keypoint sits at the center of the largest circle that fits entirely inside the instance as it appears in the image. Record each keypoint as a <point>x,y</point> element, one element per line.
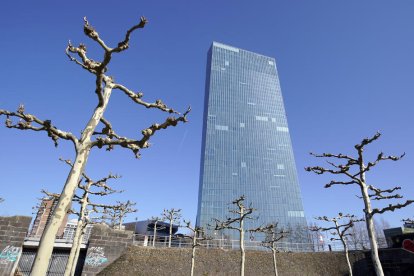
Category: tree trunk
<point>47,241</point>
<point>44,253</point>
<point>243,254</point>
<point>169,240</point>
<point>77,239</point>
<point>155,234</point>
<point>347,256</point>
<point>193,253</point>
<point>77,253</point>
<point>72,261</point>
<point>371,232</point>
<point>274,260</point>
<point>120,223</point>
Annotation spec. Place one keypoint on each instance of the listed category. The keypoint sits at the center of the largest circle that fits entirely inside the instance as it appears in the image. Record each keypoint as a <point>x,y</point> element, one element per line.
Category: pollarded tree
<point>316,237</point>
<point>117,214</point>
<point>359,236</point>
<point>89,137</point>
<point>85,210</point>
<point>88,188</point>
<point>273,236</point>
<point>339,231</point>
<point>408,221</point>
<point>354,170</point>
<point>237,223</point>
<point>172,216</point>
<point>156,220</point>
<point>86,219</point>
<point>197,235</point>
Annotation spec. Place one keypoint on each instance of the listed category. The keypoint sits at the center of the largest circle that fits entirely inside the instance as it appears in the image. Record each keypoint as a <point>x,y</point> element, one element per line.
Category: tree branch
<point>26,121</point>
<point>330,155</point>
<point>391,208</point>
<point>136,97</point>
<point>334,182</point>
<point>107,130</point>
<point>381,157</point>
<point>378,193</point>
<point>409,221</point>
<point>93,34</point>
<point>367,141</point>
<point>123,45</point>
<point>137,145</point>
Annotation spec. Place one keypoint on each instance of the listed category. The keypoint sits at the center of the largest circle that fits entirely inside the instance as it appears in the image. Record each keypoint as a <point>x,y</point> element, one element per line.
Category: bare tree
<point>117,214</point>
<point>172,216</point>
<point>380,225</point>
<point>85,209</point>
<point>408,221</point>
<point>1,200</point>
<point>273,236</point>
<point>360,239</point>
<point>156,228</point>
<point>89,137</point>
<point>86,219</point>
<point>197,235</point>
<point>316,237</point>
<point>359,236</point>
<point>354,169</point>
<point>237,223</point>
<point>339,231</point>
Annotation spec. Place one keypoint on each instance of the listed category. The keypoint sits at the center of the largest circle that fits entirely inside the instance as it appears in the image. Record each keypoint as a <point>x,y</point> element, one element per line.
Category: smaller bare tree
<point>85,210</point>
<point>273,236</point>
<point>380,226</point>
<point>237,223</point>
<point>172,216</point>
<point>354,170</point>
<point>408,221</point>
<point>316,237</point>
<point>197,235</point>
<point>339,231</point>
<point>116,215</point>
<point>359,236</point>
<point>156,220</point>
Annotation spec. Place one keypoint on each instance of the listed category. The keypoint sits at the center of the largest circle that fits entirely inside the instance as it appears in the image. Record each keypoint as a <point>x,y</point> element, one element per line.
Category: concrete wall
<point>12,233</point>
<point>105,246</point>
<point>175,261</point>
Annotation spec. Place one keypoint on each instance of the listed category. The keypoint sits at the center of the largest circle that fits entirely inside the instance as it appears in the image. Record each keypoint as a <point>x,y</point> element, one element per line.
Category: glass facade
<point>246,147</point>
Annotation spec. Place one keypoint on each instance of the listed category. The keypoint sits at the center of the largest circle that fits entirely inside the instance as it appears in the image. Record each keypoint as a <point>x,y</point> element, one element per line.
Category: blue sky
<point>346,70</point>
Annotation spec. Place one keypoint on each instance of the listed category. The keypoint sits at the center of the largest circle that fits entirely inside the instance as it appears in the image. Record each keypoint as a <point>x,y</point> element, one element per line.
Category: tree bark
<point>77,239</point>
<point>44,253</point>
<point>155,234</point>
<point>371,231</point>
<point>274,260</point>
<point>73,269</point>
<point>120,223</point>
<point>347,256</point>
<point>47,241</point>
<point>193,253</point>
<point>72,261</point>
<point>170,235</point>
<point>243,254</point>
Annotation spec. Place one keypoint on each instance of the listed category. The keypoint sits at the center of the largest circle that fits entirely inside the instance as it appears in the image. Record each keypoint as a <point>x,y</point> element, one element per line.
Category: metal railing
<point>178,242</point>
<point>59,239</point>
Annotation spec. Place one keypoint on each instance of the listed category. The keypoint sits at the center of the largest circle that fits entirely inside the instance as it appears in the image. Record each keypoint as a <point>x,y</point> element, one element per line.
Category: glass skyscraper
<point>246,146</point>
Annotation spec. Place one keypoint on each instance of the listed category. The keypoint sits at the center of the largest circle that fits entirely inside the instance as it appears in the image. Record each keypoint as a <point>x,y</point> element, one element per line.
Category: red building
<point>44,214</point>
